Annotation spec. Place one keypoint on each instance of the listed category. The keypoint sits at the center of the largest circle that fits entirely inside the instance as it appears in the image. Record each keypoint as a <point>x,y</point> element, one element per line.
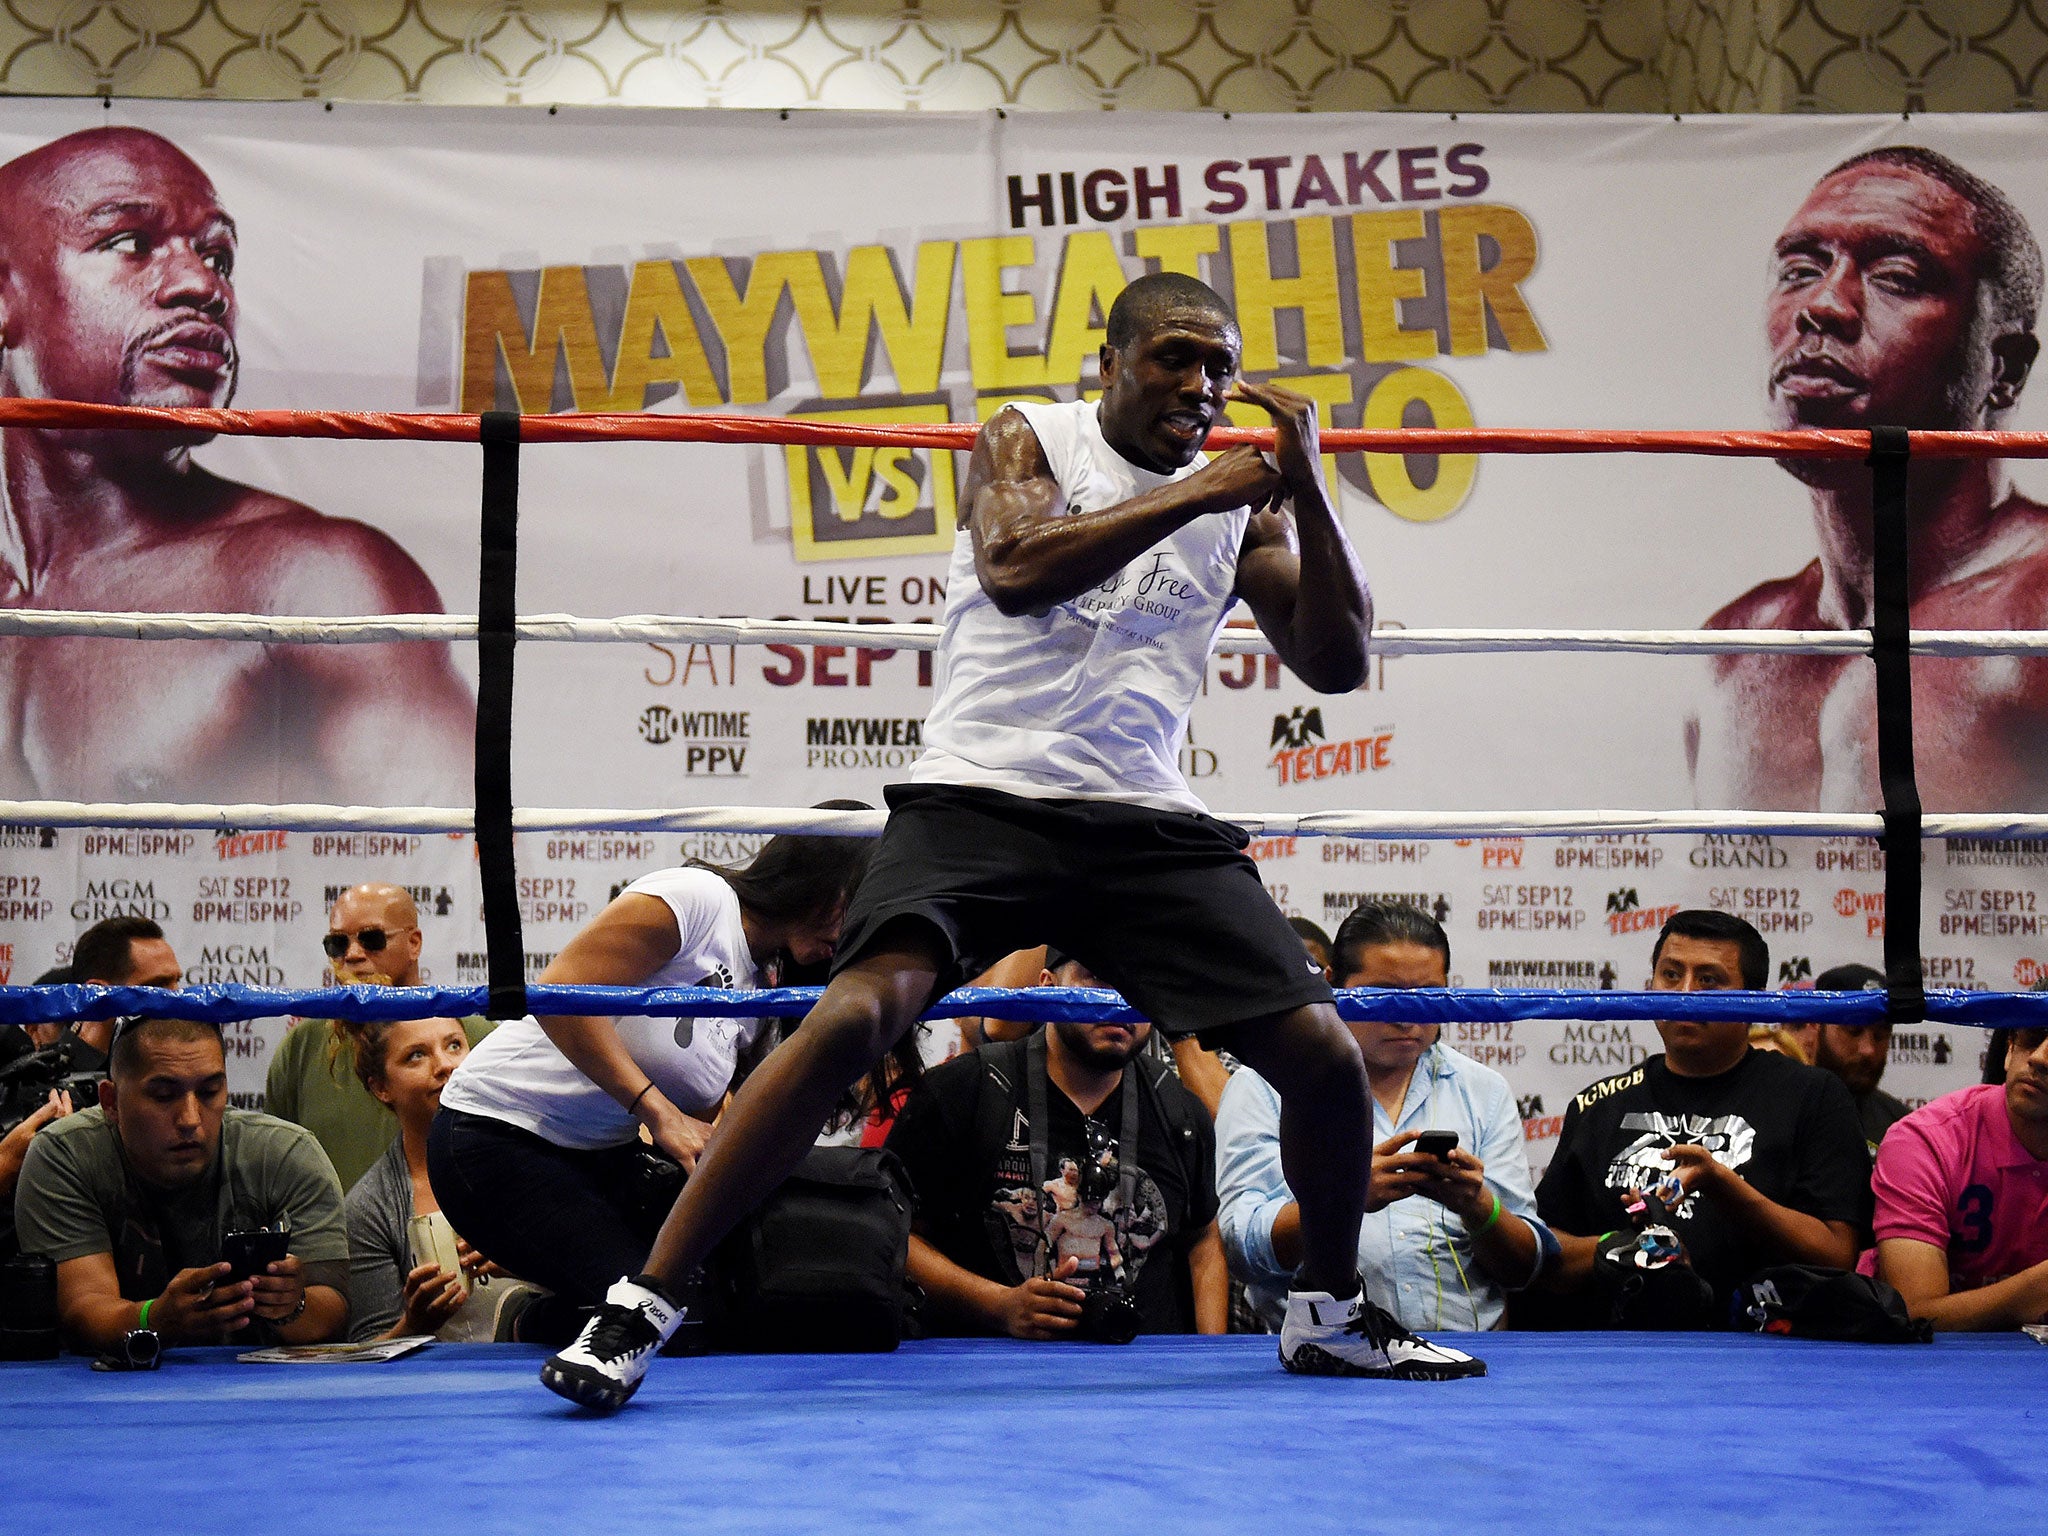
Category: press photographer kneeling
<point>166,1212</point>
<point>1065,1188</point>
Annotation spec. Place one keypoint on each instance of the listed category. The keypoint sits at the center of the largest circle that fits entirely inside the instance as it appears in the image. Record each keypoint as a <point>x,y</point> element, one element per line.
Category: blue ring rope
<point>1423,1005</point>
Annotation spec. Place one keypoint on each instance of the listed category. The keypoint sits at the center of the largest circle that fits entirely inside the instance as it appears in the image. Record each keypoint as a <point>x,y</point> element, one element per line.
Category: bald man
<point>372,939</point>
<point>117,287</point>
<point>1905,293</point>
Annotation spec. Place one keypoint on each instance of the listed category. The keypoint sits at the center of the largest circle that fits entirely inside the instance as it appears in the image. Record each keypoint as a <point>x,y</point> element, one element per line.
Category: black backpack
<point>819,1266</point>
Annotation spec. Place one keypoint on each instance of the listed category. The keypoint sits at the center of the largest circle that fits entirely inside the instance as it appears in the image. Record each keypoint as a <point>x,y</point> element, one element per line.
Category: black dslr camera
<point>27,1081</point>
<point>1108,1314</point>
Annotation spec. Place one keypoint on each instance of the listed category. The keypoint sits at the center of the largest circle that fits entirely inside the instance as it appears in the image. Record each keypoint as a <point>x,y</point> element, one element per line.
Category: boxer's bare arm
<point>1299,574</point>
<point>1030,555</point>
<point>396,716</point>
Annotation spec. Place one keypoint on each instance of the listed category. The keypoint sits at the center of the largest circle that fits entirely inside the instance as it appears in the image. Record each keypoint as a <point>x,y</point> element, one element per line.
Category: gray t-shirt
<point>379,1208</point>
<point>78,1196</point>
<point>380,1256</point>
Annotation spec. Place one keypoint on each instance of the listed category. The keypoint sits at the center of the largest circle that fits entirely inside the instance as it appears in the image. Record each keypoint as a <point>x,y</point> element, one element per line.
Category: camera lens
<point>28,1308</point>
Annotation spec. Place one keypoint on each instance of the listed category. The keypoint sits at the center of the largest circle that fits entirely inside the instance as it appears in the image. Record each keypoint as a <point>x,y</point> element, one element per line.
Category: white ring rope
<point>644,628</point>
<point>1392,826</point>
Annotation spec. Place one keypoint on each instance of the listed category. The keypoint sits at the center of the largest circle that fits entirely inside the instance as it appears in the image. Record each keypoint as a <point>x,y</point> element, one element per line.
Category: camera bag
<point>819,1267</point>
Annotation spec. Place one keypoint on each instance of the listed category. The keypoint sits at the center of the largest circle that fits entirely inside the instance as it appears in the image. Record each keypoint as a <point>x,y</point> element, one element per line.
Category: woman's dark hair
<point>1384,922</point>
<point>798,877</point>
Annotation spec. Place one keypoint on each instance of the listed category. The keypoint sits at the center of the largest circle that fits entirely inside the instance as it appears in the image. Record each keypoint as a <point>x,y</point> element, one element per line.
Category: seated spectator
<point>373,939</point>
<point>1768,1154</point>
<point>1202,1072</point>
<point>20,1039</point>
<point>1009,1238</point>
<point>1962,1199</point>
<point>132,1201</point>
<point>116,952</point>
<point>14,1151</point>
<point>393,1292</point>
<point>1428,1270</point>
<point>536,1155</point>
<point>1857,1053</point>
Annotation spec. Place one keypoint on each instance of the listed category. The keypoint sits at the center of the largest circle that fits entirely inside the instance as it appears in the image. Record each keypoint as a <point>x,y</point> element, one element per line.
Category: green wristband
<point>1491,1219</point>
<point>142,1318</point>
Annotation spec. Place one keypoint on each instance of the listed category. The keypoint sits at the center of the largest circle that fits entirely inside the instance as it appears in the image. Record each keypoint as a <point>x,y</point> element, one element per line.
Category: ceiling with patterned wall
<point>1050,55</point>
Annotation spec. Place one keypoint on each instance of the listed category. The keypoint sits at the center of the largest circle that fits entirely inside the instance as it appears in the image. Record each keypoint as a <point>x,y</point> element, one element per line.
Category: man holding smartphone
<point>148,1204</point>
<point>1450,1224</point>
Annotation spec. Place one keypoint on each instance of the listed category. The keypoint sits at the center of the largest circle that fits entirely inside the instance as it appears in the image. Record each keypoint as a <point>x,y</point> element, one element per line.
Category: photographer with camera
<point>1450,1223</point>
<point>70,1059</point>
<point>536,1155</point>
<point>35,1088</point>
<point>1064,1187</point>
<point>168,1214</point>
<point>63,1065</point>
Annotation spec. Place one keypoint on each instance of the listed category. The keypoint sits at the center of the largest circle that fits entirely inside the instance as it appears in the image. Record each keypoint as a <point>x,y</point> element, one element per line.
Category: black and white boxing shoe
<point>1323,1336</point>
<point>604,1366</point>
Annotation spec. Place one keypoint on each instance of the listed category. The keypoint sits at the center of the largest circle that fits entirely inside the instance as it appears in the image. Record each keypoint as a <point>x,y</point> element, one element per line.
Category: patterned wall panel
<point>1233,55</point>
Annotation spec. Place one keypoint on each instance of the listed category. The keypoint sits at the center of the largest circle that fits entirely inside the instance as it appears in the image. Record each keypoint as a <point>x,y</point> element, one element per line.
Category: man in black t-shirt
<point>1012,1227</point>
<point>1769,1153</point>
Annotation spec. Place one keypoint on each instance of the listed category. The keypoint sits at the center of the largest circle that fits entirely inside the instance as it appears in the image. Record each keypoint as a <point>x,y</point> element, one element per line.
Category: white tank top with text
<point>1089,700</point>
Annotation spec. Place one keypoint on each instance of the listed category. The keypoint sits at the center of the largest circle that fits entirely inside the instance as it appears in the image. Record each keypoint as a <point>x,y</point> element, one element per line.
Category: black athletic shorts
<point>1162,905</point>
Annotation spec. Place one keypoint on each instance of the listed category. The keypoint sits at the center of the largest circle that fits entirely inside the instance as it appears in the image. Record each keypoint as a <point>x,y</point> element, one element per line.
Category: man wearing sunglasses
<point>372,939</point>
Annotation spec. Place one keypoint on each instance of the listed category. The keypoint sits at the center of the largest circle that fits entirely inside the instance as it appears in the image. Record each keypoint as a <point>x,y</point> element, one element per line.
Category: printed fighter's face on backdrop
<point>119,263</point>
<point>1873,317</point>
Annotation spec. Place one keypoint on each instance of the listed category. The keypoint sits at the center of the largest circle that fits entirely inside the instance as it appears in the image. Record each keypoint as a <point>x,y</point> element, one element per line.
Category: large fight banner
<point>1401,270</point>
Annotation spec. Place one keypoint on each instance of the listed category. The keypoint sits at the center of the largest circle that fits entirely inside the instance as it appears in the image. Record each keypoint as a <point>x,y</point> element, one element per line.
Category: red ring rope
<point>711,428</point>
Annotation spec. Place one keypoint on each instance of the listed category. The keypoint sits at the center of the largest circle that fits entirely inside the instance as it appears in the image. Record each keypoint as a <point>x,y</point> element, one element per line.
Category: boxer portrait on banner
<point>1904,292</point>
<point>117,287</point>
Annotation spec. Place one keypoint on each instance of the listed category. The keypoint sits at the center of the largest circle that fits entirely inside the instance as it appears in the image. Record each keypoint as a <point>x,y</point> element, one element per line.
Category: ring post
<point>1890,649</point>
<point>497,631</point>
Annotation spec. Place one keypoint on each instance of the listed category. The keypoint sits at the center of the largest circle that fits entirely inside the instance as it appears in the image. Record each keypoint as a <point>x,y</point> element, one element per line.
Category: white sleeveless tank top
<point>1090,700</point>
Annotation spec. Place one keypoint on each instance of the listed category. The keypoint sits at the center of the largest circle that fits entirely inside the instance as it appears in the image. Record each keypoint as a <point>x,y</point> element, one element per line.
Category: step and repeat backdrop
<point>1401,270</point>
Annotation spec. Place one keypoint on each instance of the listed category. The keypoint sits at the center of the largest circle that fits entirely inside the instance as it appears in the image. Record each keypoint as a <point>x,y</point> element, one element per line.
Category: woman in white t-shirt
<point>536,1155</point>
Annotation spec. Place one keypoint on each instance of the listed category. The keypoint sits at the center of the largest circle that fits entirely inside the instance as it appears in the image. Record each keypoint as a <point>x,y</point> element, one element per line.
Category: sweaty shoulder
<point>1789,602</point>
<point>301,561</point>
<point>1007,452</point>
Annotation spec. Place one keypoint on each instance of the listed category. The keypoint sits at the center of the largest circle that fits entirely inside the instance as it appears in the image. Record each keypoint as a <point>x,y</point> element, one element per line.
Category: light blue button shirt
<point>1415,1256</point>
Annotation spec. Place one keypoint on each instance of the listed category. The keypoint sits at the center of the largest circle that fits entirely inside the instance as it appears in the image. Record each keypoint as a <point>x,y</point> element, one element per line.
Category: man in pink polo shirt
<point>1962,1199</point>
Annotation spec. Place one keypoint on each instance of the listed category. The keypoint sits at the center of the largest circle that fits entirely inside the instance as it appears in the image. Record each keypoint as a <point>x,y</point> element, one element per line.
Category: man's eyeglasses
<point>373,941</point>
